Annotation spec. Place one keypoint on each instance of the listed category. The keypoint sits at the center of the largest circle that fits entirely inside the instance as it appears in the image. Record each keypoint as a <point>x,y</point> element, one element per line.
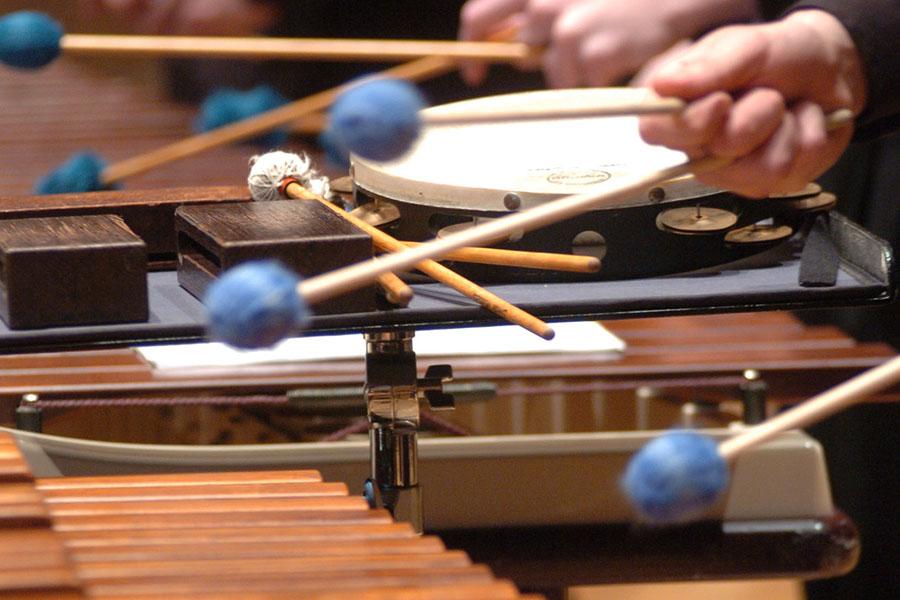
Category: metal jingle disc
<point>694,220</point>
<point>758,234</point>
<point>377,213</point>
<point>811,189</point>
<point>342,185</point>
<point>823,201</point>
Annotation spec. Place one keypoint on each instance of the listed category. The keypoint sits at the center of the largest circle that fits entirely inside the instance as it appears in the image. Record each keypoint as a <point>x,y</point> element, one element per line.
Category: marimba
<point>274,534</point>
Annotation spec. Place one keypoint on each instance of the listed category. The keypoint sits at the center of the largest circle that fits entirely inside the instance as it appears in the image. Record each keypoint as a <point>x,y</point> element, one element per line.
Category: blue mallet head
<point>676,477</point>
<point>81,173</point>
<point>226,106</point>
<point>29,39</point>
<point>378,119</point>
<point>255,305</point>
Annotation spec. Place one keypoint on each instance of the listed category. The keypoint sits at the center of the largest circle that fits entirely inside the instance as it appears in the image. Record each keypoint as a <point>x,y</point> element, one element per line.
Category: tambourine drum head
<point>460,174</point>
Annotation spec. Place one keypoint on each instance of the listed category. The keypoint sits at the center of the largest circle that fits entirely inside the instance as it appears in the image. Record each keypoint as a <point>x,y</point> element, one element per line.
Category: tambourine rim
<point>380,179</point>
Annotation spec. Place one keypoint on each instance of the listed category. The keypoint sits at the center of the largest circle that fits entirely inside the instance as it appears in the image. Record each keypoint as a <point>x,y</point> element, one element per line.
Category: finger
<point>727,59</point>
<point>695,127</point>
<point>768,169</point>
<point>603,60</point>
<point>540,19</point>
<point>753,119</point>
<point>818,148</point>
<point>642,77</point>
<point>562,68</point>
<point>478,19</point>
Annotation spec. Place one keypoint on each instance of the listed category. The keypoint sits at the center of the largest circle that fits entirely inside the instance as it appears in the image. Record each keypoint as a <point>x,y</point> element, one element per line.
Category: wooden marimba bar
<point>249,535</point>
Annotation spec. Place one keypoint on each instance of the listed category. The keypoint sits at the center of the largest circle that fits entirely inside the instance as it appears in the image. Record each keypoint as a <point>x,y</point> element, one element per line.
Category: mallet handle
<point>815,409</point>
<point>268,48</point>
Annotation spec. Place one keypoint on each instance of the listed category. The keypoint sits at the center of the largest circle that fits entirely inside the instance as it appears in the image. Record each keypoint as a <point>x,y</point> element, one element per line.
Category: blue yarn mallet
<point>377,119</point>
<point>227,105</point>
<point>29,39</point>
<point>83,172</point>
<point>255,304</point>
<point>678,476</point>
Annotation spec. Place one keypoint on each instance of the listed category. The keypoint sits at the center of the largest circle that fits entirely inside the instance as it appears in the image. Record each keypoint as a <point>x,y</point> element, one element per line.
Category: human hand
<point>189,17</point>
<point>595,42</point>
<point>783,78</point>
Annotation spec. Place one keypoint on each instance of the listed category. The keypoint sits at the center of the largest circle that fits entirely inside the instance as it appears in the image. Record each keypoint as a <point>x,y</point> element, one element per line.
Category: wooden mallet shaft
<point>492,302</point>
<point>651,104</point>
<point>548,261</point>
<point>312,49</point>
<point>815,409</point>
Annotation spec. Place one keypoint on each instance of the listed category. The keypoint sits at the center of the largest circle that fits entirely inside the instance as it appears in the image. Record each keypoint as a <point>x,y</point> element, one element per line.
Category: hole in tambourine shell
<point>589,243</point>
<point>443,232</point>
<point>377,213</point>
<point>758,233</point>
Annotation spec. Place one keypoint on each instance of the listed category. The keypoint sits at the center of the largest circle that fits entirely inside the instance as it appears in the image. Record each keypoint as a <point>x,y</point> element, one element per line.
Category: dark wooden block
<point>304,235</point>
<point>148,213</point>
<point>77,270</point>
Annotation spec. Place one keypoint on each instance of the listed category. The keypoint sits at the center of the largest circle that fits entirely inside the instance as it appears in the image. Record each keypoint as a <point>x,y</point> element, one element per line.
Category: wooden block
<point>305,236</point>
<point>148,213</point>
<point>71,270</point>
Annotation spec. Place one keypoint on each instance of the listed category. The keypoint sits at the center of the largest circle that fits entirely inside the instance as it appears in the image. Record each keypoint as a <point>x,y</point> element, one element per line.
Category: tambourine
<point>459,175</point>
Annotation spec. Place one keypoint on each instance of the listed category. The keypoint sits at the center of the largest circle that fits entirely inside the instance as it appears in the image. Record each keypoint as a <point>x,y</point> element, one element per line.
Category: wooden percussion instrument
<point>273,534</point>
<point>460,175</point>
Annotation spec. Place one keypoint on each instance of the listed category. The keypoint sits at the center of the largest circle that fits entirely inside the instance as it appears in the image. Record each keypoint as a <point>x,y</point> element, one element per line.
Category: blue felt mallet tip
<point>676,477</point>
<point>378,119</point>
<point>226,106</point>
<point>29,39</point>
<point>83,172</point>
<point>255,305</point>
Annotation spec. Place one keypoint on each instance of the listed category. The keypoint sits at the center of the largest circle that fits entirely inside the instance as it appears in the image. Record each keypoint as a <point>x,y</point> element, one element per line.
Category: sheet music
<point>578,337</point>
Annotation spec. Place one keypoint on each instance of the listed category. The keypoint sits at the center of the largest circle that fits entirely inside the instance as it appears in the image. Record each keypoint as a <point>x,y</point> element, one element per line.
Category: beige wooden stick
<point>548,261</point>
<point>617,192</point>
<point>491,302</point>
<point>395,289</point>
<point>815,409</point>
<point>650,105</point>
<point>268,48</point>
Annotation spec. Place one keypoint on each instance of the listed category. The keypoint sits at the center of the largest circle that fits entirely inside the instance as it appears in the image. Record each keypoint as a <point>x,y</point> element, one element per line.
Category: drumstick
<point>679,475</point>
<point>32,40</point>
<point>548,261</point>
<point>291,188</point>
<point>395,289</point>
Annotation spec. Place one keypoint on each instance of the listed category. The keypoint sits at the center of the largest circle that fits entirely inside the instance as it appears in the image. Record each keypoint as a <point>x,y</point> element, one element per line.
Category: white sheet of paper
<point>577,337</point>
